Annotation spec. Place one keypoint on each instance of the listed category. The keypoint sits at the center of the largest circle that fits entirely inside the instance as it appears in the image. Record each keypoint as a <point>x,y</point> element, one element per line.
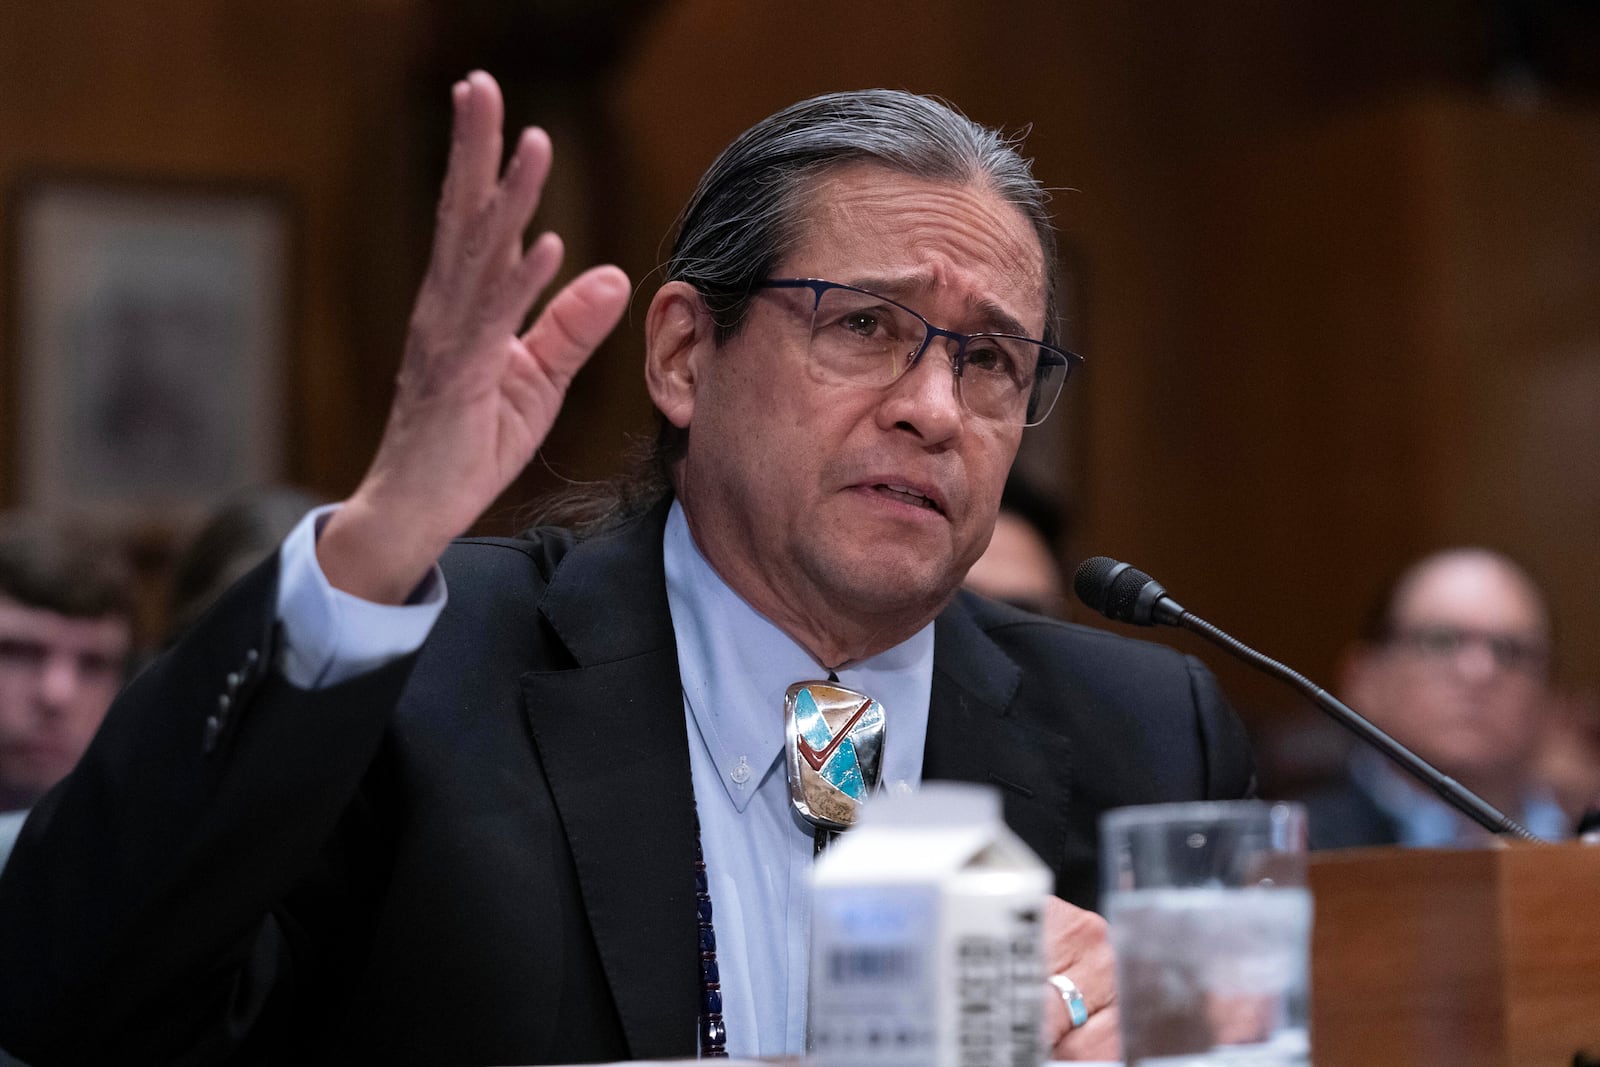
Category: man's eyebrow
<point>995,318</point>
<point>999,320</point>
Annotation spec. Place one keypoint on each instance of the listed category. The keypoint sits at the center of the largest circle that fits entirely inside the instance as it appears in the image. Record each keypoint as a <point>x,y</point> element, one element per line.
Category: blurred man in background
<point>66,630</point>
<point>1453,662</point>
<point>1022,564</point>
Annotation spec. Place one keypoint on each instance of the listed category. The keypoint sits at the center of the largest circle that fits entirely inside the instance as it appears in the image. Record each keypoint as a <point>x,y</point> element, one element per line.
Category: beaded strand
<point>713,1032</point>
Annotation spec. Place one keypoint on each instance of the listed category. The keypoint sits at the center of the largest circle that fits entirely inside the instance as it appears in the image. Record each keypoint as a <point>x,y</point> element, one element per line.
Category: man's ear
<point>677,341</point>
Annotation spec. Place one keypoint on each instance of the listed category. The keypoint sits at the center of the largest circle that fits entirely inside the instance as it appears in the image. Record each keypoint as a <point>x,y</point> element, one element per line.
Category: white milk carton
<point>925,937</point>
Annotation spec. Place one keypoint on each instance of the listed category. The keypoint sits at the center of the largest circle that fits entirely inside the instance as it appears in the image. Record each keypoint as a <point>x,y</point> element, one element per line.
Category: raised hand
<point>475,395</point>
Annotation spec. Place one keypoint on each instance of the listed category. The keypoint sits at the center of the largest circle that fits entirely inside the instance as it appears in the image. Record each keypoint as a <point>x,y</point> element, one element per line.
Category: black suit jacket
<point>1342,814</point>
<point>484,853</point>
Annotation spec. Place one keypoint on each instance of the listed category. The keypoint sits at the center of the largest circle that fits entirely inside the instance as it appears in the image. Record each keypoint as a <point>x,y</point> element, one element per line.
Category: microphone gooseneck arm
<point>1449,790</point>
<point>1129,595</point>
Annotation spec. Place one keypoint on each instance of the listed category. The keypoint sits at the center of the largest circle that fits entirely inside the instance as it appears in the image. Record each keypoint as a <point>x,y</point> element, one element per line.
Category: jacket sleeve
<point>147,913</point>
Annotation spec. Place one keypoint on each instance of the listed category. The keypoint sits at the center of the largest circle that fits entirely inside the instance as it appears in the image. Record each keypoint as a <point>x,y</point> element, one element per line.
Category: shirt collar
<point>736,666</point>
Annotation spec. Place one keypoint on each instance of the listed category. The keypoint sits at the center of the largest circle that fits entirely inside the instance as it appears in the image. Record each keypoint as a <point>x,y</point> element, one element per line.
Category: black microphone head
<point>1096,575</point>
<point>1119,591</point>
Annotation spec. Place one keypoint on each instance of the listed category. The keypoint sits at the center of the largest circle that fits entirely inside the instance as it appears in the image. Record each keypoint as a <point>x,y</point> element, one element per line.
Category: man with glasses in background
<point>549,822</point>
<point>1453,662</point>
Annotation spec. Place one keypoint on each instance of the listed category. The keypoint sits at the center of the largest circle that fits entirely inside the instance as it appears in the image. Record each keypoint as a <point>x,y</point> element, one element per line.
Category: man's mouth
<point>907,495</point>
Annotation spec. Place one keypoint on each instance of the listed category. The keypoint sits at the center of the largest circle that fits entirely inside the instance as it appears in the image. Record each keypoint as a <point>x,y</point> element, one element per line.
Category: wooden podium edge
<point>1444,956</point>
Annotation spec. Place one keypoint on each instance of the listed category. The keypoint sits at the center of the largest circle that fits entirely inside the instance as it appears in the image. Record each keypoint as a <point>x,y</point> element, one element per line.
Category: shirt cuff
<point>330,636</point>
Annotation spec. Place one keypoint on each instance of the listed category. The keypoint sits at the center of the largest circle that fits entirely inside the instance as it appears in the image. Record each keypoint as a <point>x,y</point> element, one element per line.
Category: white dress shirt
<point>736,667</point>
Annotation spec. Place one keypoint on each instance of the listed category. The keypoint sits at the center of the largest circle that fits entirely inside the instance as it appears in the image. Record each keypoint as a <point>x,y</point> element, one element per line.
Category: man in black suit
<point>295,841</point>
<point>1453,660</point>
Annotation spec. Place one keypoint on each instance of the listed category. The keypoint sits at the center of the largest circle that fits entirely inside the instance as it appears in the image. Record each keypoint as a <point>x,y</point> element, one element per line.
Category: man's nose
<point>1475,661</point>
<point>926,396</point>
<point>59,681</point>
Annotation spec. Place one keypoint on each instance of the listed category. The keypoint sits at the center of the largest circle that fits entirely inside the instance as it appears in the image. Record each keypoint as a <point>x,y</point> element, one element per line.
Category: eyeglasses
<point>1444,644</point>
<point>859,337</point>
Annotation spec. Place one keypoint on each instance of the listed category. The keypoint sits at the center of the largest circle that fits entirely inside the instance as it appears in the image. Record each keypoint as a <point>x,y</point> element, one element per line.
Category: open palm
<point>475,395</point>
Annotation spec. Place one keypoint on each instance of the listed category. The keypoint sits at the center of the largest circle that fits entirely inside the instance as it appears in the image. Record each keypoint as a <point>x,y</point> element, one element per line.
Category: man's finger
<point>491,243</point>
<point>504,301</point>
<point>524,180</point>
<point>1097,1039</point>
<point>576,320</point>
<point>474,166</point>
<point>1077,943</point>
<point>478,145</point>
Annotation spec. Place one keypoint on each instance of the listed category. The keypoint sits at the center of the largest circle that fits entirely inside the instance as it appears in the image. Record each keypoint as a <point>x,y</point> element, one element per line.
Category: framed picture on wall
<point>150,341</point>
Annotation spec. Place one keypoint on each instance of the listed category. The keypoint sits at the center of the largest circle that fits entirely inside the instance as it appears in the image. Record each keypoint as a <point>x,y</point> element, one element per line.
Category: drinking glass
<point>1211,922</point>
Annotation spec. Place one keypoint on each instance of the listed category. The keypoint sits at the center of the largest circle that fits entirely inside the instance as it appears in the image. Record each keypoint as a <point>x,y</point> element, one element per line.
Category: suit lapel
<point>980,731</point>
<point>611,736</point>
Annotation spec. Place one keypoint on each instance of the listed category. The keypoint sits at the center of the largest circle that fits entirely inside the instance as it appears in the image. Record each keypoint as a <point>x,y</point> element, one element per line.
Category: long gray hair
<point>749,211</point>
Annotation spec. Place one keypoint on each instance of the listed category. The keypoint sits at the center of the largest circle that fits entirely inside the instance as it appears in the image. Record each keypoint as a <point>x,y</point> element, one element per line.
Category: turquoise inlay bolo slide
<point>835,751</point>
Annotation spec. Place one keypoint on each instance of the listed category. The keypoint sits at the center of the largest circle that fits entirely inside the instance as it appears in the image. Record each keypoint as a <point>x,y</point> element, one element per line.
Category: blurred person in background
<point>66,632</point>
<point>1453,662</point>
<point>235,537</point>
<point>1022,566</point>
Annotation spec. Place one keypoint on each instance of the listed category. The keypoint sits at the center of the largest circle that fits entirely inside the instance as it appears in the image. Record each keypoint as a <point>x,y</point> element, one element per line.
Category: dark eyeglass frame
<point>1039,407</point>
<point>1443,643</point>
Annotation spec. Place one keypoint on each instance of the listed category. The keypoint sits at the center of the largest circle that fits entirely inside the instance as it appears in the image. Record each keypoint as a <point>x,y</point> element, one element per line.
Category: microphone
<point>1124,593</point>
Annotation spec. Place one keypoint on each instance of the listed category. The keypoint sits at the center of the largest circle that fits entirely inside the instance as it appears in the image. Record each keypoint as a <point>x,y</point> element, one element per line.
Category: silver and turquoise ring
<point>1072,997</point>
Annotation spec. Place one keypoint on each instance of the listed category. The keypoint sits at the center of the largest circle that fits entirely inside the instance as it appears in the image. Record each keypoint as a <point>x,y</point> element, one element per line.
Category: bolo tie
<point>833,756</point>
